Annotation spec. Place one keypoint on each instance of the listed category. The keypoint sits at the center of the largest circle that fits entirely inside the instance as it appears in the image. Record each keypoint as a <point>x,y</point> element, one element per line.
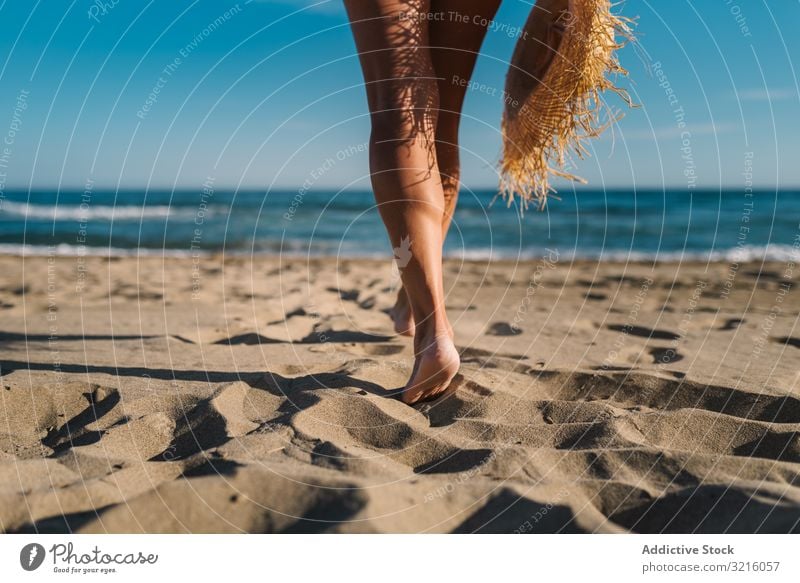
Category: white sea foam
<point>63,249</point>
<point>91,212</point>
<point>772,252</point>
<point>740,254</point>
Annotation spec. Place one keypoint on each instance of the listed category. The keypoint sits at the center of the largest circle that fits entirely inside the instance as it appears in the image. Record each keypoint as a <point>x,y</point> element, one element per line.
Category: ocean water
<point>614,224</point>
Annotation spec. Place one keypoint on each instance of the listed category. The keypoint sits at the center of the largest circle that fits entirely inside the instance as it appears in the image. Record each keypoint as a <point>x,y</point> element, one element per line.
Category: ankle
<point>431,331</point>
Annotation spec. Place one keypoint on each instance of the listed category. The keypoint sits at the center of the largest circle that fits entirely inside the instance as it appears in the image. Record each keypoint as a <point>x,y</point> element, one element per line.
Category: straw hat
<point>553,101</point>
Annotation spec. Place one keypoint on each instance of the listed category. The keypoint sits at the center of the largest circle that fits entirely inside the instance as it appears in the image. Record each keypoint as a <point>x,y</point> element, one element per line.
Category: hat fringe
<point>564,109</point>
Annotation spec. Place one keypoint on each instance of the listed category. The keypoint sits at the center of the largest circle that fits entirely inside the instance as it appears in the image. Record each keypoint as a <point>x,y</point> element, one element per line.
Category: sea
<point>621,225</point>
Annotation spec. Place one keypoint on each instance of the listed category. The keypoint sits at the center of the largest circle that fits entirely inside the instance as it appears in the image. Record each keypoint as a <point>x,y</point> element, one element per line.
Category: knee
<point>403,111</point>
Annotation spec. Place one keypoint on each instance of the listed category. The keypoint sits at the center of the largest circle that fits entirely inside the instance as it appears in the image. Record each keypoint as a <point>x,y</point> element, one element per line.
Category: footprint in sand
<point>788,340</point>
<point>643,332</point>
<point>503,329</point>
<point>732,324</point>
<point>665,355</point>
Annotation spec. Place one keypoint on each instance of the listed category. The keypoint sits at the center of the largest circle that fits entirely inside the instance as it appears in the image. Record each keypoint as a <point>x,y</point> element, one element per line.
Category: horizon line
<point>282,189</point>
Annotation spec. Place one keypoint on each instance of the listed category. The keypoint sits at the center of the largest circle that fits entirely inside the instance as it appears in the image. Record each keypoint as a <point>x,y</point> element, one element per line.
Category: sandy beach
<point>251,395</point>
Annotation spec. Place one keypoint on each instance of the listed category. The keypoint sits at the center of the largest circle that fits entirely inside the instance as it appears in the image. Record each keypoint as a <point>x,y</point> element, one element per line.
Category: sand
<point>232,395</point>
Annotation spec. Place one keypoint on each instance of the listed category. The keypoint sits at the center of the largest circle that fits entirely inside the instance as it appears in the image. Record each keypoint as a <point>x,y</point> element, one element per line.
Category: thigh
<point>392,41</point>
<point>455,40</point>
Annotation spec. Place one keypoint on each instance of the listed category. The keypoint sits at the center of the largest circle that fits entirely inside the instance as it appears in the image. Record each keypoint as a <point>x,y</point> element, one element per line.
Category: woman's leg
<point>455,44</point>
<point>402,91</point>
<point>455,41</point>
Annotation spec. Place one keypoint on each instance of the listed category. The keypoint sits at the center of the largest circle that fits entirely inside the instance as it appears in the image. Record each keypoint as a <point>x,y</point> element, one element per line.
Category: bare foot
<point>436,364</point>
<point>401,315</point>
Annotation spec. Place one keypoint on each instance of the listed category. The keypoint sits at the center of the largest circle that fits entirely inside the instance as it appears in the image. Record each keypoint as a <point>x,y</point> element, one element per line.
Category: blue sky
<point>271,96</point>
